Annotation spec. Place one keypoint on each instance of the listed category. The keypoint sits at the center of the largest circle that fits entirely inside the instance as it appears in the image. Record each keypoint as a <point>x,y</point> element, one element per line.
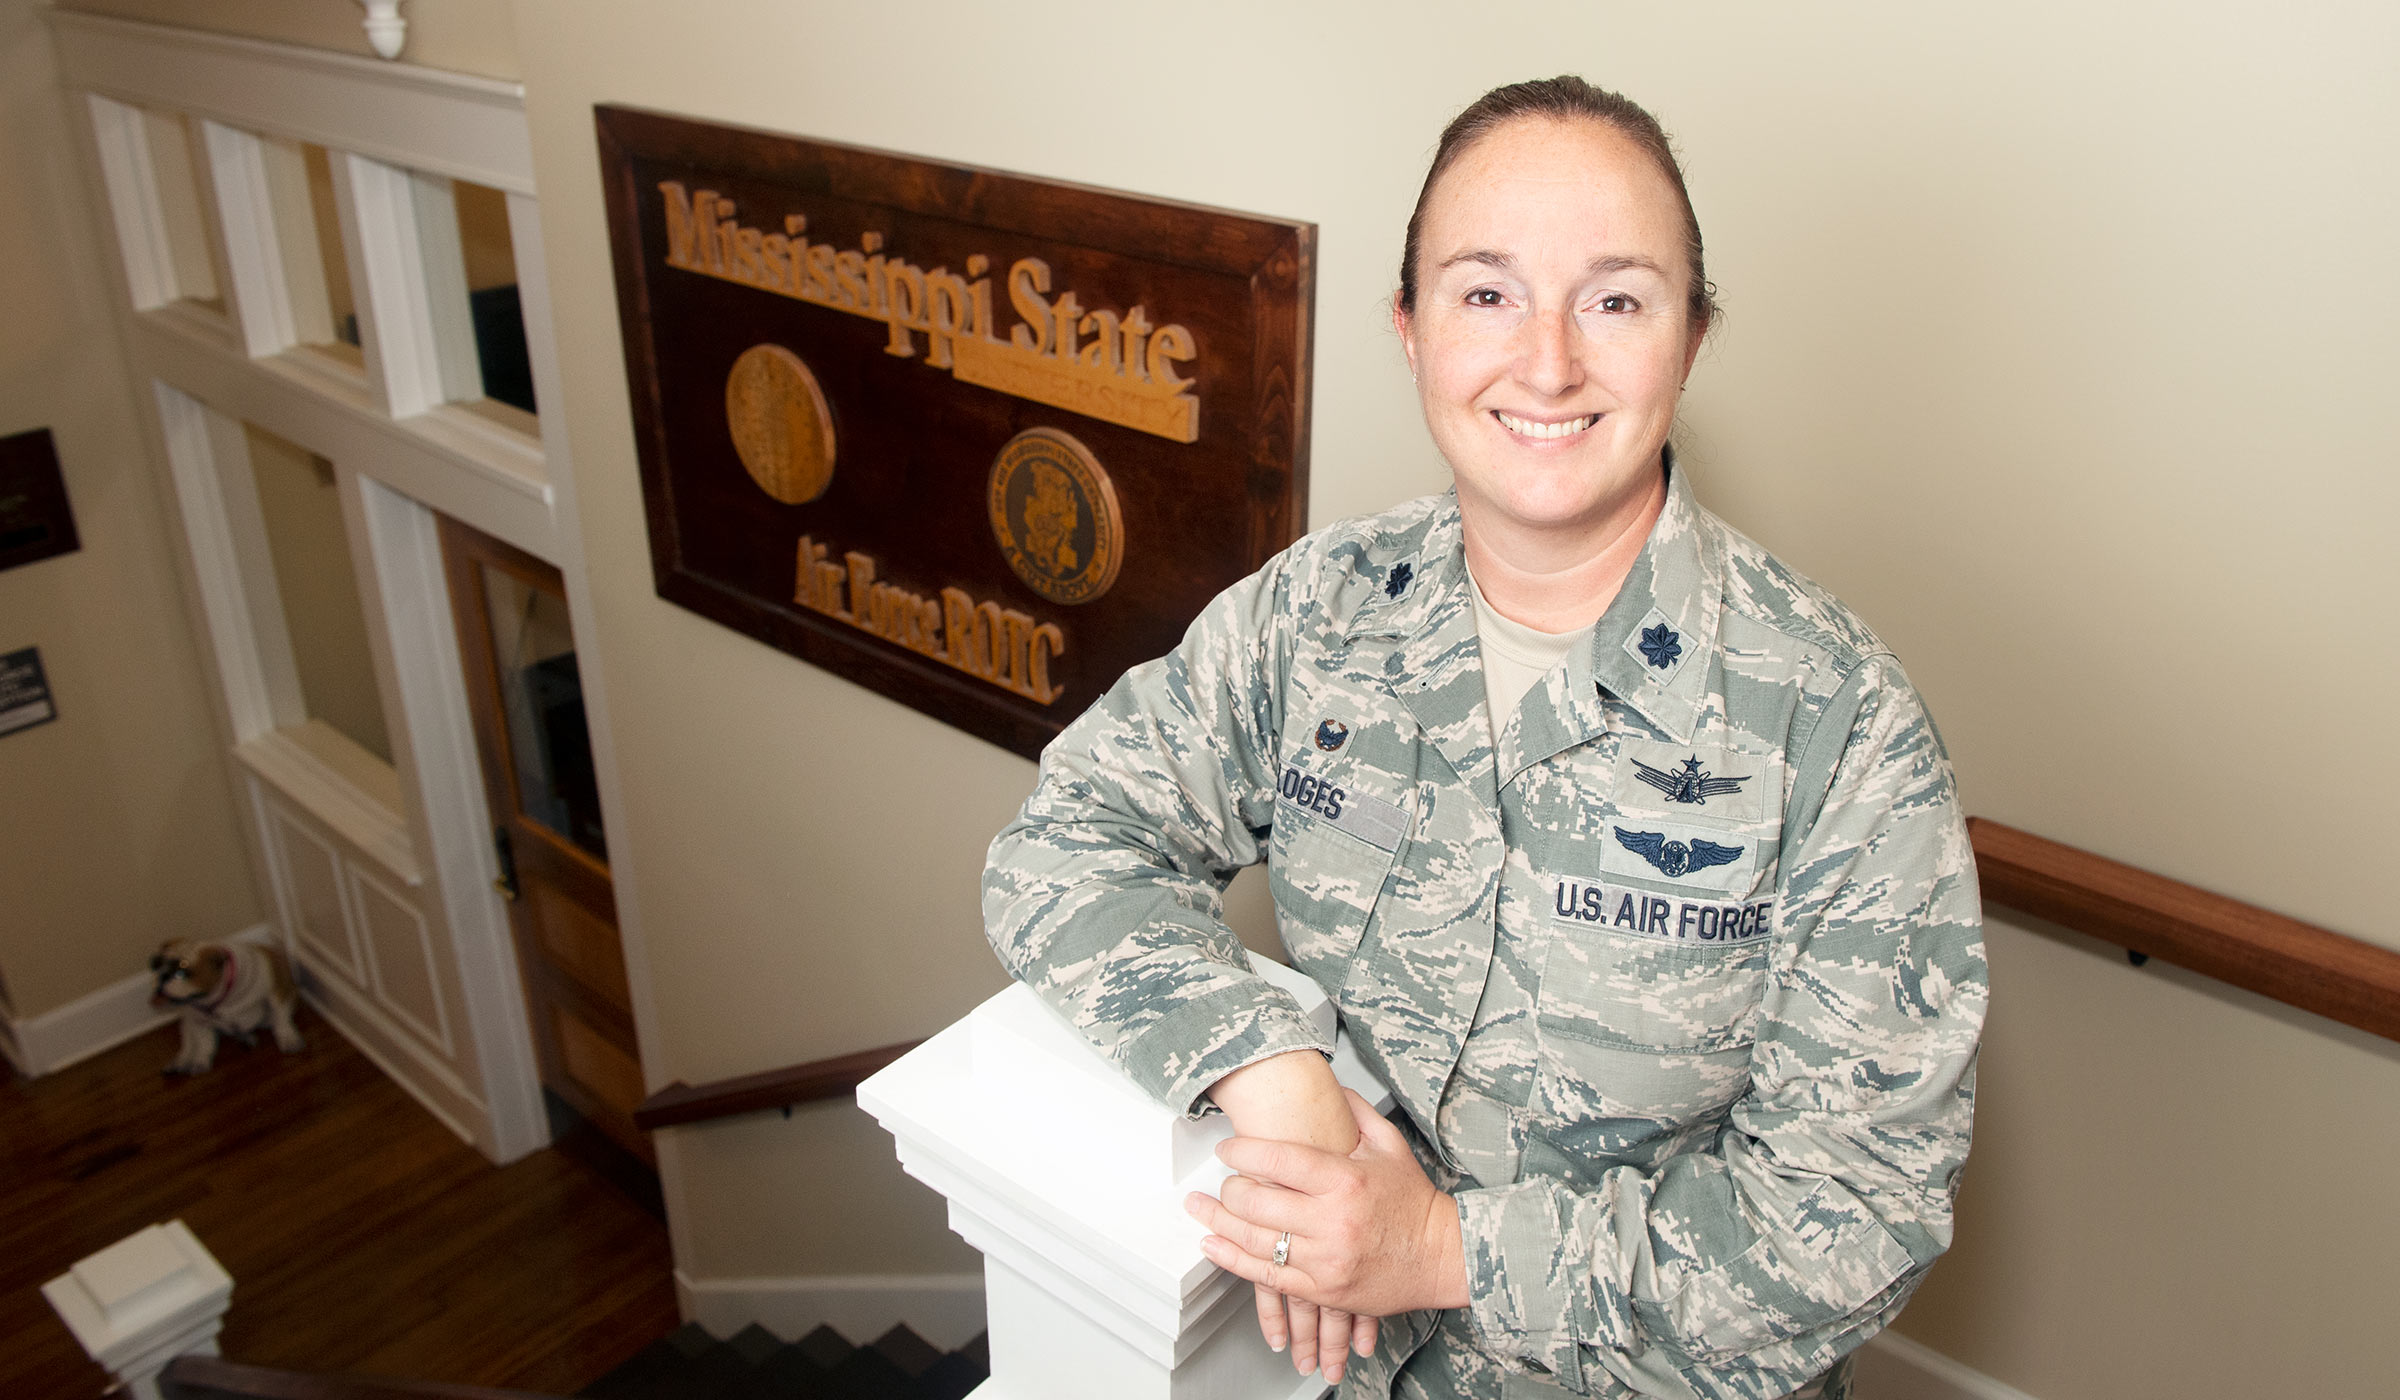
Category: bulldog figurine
<point>224,989</point>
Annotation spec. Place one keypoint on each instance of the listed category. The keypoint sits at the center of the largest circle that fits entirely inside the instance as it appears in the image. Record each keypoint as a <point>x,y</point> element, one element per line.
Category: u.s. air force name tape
<point>1590,904</point>
<point>1379,823</point>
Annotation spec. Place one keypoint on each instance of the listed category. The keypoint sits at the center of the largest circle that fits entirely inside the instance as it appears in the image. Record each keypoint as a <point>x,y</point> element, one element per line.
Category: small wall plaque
<point>24,691</point>
<point>35,521</point>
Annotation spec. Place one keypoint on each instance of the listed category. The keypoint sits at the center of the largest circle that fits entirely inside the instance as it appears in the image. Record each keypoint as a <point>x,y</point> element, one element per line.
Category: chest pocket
<point>1633,1028</point>
<point>1333,847</point>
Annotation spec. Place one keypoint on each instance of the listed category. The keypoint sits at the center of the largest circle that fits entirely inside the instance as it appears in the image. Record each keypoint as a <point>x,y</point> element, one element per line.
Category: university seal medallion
<point>781,428</point>
<point>1054,513</point>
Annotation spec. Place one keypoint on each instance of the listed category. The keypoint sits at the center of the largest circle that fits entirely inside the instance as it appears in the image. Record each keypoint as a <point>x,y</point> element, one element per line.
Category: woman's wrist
<point>1292,1097</point>
<point>1446,1253</point>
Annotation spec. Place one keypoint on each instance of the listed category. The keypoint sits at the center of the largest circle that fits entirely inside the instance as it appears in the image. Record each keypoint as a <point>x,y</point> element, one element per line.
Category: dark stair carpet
<point>755,1364</point>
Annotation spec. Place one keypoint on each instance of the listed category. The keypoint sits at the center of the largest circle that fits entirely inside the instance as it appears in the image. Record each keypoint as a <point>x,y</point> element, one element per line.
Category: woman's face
<point>1550,338</point>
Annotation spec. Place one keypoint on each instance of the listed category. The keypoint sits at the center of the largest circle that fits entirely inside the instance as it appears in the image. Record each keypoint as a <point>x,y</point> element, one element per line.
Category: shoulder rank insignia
<point>1693,785</point>
<point>1332,734</point>
<point>1674,857</point>
<point>1397,580</point>
<point>1662,644</point>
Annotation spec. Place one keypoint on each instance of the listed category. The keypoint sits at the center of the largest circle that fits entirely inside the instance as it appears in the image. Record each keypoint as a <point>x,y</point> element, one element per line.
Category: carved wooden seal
<point>781,427</point>
<point>1054,512</point>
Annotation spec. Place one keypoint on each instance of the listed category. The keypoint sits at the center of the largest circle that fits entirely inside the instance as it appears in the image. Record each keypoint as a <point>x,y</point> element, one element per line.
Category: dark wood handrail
<point>209,1377</point>
<point>2346,979</point>
<point>2302,965</point>
<point>775,1088</point>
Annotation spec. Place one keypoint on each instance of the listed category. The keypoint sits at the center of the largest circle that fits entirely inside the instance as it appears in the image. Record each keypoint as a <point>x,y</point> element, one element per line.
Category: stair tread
<point>906,1350</point>
<point>825,1346</point>
<point>754,1344</point>
<point>754,1364</point>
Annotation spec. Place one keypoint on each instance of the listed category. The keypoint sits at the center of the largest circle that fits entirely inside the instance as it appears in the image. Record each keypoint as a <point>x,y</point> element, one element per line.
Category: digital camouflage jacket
<point>1677,985</point>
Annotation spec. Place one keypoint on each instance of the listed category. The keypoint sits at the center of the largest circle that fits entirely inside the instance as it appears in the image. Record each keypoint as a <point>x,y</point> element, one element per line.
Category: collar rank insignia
<point>1332,734</point>
<point>1661,644</point>
<point>1397,581</point>
<point>1693,785</point>
<point>1674,857</point>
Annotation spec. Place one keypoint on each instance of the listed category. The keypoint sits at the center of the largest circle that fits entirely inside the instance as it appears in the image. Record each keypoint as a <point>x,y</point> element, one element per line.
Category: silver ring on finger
<point>1283,1250</point>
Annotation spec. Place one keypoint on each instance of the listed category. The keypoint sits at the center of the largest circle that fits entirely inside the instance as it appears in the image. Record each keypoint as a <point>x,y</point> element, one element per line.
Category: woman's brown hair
<point>1564,98</point>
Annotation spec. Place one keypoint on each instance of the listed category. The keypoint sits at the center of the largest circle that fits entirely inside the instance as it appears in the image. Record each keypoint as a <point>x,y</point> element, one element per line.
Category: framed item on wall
<point>978,441</point>
<point>35,520</point>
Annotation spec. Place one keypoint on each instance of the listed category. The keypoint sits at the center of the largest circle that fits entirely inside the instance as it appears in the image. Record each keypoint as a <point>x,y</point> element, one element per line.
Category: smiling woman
<point>1629,857</point>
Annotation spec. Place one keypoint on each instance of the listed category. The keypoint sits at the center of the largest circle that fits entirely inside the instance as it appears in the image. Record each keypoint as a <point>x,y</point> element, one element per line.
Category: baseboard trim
<point>97,1021</point>
<point>1891,1367</point>
<point>944,1309</point>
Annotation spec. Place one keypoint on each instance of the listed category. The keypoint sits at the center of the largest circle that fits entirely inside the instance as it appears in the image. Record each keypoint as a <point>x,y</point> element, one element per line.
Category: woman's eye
<point>1617,304</point>
<point>1485,296</point>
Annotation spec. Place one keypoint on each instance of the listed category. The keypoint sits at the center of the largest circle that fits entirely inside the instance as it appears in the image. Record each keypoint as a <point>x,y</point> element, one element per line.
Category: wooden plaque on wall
<point>975,440</point>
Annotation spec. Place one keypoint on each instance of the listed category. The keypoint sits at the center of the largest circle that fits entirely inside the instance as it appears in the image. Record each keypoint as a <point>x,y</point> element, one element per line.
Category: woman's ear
<point>1401,326</point>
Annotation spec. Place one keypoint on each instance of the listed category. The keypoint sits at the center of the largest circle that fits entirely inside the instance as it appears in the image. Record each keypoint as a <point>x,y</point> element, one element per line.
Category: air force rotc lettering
<point>1694,1052</point>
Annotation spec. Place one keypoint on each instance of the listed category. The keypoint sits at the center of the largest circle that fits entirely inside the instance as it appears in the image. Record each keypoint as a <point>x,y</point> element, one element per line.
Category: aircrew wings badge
<point>1673,858</point>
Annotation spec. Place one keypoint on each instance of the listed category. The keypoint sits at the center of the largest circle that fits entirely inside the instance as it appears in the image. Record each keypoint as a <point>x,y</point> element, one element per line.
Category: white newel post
<point>1071,1182</point>
<point>142,1302</point>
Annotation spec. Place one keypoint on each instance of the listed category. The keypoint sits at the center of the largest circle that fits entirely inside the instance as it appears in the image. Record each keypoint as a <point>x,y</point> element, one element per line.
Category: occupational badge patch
<point>1332,734</point>
<point>1054,513</point>
<point>1692,784</point>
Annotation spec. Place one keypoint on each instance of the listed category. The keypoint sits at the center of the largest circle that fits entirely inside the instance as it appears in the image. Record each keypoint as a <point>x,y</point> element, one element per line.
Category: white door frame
<point>396,136</point>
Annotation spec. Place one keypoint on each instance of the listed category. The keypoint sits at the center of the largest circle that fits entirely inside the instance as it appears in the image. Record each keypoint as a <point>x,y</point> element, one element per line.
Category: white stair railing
<point>1071,1182</point>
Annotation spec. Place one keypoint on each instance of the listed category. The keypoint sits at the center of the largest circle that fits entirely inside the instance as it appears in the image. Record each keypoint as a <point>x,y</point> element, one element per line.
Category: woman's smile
<point>1544,429</point>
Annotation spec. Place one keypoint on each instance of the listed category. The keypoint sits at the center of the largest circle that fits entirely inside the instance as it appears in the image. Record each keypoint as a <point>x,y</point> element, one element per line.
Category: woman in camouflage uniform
<point>1629,856</point>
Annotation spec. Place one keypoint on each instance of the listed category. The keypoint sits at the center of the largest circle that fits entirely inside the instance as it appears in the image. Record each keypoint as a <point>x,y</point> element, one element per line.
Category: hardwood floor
<point>362,1236</point>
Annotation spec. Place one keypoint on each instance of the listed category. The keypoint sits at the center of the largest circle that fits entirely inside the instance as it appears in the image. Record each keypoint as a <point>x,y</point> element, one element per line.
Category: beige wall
<point>465,36</point>
<point>121,828</point>
<point>2060,344</point>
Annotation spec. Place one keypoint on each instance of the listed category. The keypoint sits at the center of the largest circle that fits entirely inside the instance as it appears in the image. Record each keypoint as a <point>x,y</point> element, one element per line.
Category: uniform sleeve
<point>1105,895</point>
<point>1750,1267</point>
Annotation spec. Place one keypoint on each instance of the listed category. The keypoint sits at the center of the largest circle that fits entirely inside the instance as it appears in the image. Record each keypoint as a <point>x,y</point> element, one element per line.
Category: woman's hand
<point>1370,1235</point>
<point>1294,1098</point>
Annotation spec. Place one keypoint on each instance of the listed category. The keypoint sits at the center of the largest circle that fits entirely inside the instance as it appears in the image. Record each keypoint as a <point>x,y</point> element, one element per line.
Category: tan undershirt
<point>1515,656</point>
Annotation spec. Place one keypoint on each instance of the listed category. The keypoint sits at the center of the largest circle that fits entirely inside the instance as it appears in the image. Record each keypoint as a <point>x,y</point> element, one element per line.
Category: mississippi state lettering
<point>1119,367</point>
<point>1589,903</point>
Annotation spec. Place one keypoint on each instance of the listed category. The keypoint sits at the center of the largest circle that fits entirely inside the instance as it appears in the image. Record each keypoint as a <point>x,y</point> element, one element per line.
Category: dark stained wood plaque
<point>975,440</point>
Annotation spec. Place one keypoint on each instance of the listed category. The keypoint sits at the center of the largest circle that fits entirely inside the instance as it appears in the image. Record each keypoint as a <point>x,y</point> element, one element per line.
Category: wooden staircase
<point>686,1364</point>
<point>755,1364</point>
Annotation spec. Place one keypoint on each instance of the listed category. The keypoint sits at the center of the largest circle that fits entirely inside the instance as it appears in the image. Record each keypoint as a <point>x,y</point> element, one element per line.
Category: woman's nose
<point>1546,359</point>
